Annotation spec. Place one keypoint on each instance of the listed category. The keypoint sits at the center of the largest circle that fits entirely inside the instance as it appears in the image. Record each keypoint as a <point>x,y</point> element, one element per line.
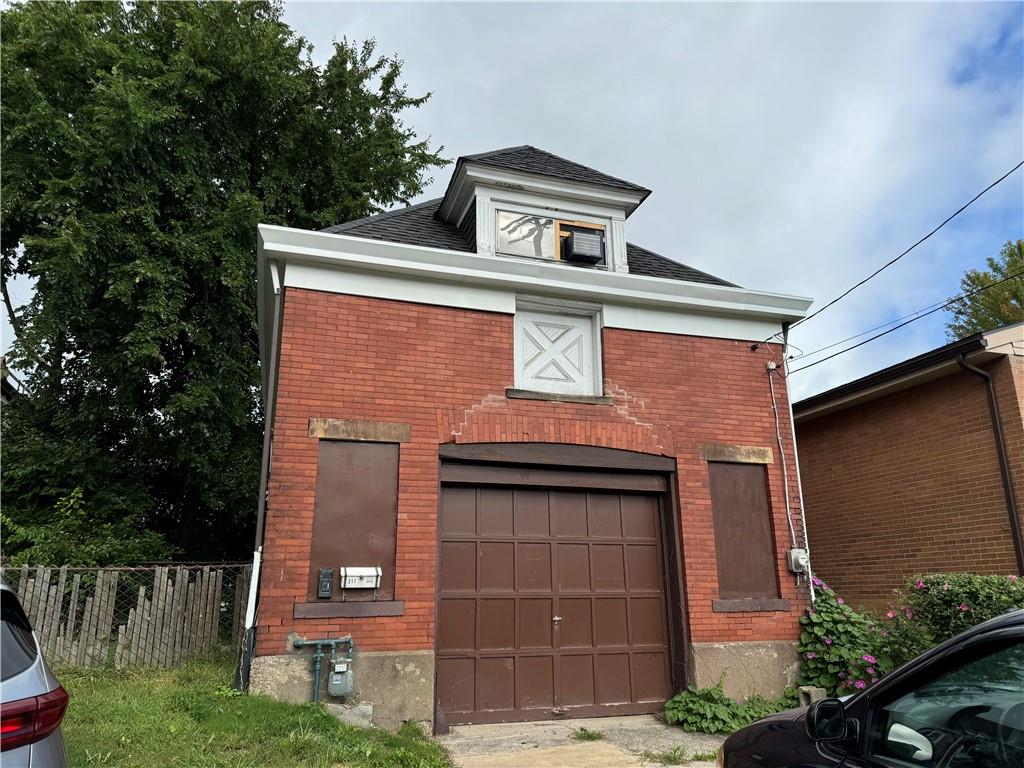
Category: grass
<point>189,717</point>
<point>585,734</point>
<point>676,756</point>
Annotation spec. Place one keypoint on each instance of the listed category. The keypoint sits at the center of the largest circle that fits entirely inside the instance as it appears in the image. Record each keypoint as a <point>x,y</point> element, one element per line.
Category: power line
<point>889,263</point>
<point>908,322</point>
<point>802,355</point>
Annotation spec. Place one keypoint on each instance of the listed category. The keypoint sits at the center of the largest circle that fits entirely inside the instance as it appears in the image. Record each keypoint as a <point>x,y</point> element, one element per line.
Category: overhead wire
<point>954,300</point>
<point>892,261</point>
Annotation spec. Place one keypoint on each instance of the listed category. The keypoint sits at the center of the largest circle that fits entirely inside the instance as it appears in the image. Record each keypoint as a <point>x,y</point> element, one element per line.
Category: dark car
<point>960,705</point>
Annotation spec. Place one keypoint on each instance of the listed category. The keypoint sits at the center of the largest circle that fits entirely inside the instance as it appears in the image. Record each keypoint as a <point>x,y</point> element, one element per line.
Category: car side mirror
<point>826,720</point>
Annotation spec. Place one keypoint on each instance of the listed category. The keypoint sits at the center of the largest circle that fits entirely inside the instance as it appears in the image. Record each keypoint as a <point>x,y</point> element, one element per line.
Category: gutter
<point>893,373</point>
<point>269,409</point>
<point>1004,462</point>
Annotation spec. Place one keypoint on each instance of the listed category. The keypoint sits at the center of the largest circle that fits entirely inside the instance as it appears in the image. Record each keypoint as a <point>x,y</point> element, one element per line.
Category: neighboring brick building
<point>902,473</point>
<point>558,447</point>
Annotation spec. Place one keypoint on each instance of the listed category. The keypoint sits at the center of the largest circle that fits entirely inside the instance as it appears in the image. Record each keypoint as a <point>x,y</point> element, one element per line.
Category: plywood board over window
<point>356,514</point>
<point>744,543</point>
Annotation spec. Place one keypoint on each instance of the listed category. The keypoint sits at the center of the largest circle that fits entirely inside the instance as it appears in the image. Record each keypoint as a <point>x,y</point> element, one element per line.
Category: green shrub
<point>843,650</point>
<point>837,646</point>
<point>950,603</point>
<point>709,710</point>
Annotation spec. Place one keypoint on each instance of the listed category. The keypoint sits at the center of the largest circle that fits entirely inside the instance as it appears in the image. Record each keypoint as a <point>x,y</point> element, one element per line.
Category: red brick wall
<point>444,371</point>
<point>910,483</point>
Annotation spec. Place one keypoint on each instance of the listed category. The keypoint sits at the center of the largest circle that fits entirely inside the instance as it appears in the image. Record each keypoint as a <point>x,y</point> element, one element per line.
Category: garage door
<point>552,603</point>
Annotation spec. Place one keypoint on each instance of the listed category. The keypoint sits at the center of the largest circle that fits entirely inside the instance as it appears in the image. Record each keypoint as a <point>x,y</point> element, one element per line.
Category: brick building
<point>903,472</point>
<point>559,448</point>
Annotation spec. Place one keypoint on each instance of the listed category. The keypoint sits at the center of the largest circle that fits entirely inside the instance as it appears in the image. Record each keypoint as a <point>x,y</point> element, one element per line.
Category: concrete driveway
<point>627,742</point>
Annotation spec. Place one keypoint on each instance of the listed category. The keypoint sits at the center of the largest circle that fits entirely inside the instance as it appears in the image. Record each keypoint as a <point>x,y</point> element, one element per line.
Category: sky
<point>791,148</point>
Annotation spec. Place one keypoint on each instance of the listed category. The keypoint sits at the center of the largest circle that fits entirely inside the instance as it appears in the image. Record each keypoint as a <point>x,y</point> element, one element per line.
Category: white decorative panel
<point>556,353</point>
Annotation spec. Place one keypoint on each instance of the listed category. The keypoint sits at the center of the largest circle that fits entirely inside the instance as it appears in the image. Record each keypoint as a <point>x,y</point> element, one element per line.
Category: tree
<point>994,307</point>
<point>141,145</point>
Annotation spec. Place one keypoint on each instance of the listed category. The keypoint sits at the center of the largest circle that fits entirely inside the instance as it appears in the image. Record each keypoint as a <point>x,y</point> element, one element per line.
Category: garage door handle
<point>556,619</point>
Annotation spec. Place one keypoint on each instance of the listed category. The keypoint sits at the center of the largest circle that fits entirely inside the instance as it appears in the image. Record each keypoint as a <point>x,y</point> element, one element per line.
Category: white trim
<point>532,308</point>
<point>344,264</point>
<point>469,175</point>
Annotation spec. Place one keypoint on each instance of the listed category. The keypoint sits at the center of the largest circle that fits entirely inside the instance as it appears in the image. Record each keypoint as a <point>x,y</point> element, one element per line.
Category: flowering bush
<point>838,645</point>
<point>950,603</point>
<point>843,650</point>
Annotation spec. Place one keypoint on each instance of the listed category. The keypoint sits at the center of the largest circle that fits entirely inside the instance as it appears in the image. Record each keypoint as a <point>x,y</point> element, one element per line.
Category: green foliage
<point>70,534</point>
<point>709,710</point>
<point>993,308</point>
<point>142,143</point>
<point>183,718</point>
<point>836,645</point>
<point>843,650</point>
<point>585,734</point>
<point>675,756</point>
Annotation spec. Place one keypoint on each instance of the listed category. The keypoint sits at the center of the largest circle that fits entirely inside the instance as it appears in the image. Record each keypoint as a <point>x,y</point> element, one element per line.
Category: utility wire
<point>889,263</point>
<point>813,352</point>
<point>908,322</point>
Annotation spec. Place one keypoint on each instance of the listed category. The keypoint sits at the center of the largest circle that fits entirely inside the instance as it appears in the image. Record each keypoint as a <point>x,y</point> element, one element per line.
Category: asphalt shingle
<point>536,161</point>
<point>418,225</point>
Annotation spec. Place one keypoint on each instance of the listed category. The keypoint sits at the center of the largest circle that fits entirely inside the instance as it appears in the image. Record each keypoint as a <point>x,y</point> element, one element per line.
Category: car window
<point>971,716</point>
<point>17,645</point>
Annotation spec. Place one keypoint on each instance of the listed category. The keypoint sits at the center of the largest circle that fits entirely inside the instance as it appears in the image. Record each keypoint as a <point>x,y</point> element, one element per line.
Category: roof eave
<point>930,365</point>
<point>469,173</point>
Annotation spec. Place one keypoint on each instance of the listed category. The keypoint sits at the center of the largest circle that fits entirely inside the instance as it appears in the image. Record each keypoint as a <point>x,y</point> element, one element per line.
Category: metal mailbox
<point>360,577</point>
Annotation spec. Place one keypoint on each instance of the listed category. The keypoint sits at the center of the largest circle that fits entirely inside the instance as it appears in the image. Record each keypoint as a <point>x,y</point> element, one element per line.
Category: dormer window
<point>545,237</point>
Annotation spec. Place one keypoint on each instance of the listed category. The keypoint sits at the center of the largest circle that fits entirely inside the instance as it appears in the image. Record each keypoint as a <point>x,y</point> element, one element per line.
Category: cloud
<point>792,148</point>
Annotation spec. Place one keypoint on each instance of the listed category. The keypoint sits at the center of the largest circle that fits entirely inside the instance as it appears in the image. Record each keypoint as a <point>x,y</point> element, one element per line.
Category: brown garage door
<point>552,602</point>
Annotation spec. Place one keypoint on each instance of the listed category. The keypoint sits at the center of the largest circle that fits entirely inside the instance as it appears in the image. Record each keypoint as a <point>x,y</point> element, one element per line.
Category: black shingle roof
<point>417,225</point>
<point>536,161</point>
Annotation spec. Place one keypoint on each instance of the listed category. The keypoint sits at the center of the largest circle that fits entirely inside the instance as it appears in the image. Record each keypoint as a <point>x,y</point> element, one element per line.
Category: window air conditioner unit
<point>583,247</point>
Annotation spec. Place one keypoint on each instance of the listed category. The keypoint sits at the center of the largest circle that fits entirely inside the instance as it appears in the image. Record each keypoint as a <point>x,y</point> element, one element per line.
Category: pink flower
<point>816,581</point>
<point>874,680</point>
<point>810,655</point>
<point>869,658</point>
<point>870,670</point>
<point>919,584</point>
<point>860,685</point>
<point>1013,578</point>
<point>963,607</point>
<point>890,614</point>
<point>842,675</point>
<point>885,633</point>
<point>828,641</point>
<point>908,613</point>
<point>840,601</point>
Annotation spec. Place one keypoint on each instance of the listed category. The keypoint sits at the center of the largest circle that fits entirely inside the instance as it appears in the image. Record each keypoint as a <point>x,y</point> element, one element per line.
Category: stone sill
<point>529,394</point>
<point>750,605</point>
<point>351,609</point>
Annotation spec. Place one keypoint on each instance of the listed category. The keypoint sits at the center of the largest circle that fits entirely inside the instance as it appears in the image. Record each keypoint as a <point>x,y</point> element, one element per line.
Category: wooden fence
<point>124,617</point>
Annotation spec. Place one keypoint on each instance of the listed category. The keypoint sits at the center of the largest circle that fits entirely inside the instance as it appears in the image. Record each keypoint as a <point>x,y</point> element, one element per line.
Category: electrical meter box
<point>798,560</point>
<point>339,679</point>
<point>360,577</point>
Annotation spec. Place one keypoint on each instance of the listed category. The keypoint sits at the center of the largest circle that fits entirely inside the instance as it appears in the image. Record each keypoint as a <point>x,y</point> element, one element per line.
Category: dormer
<point>525,203</point>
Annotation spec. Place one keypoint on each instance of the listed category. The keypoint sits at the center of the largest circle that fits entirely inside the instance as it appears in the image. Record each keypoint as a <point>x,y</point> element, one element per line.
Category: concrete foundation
<point>746,668</point>
<point>394,686</point>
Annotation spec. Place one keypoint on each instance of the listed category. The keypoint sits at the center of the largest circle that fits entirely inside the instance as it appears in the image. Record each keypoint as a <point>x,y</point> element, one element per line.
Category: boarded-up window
<point>744,544</point>
<point>356,514</point>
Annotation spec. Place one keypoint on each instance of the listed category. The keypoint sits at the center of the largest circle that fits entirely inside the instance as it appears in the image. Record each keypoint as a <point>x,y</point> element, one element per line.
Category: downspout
<point>1004,462</point>
<point>269,408</point>
<point>796,461</point>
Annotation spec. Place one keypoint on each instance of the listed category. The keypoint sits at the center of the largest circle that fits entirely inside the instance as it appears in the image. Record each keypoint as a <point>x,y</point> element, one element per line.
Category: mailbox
<point>360,577</point>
